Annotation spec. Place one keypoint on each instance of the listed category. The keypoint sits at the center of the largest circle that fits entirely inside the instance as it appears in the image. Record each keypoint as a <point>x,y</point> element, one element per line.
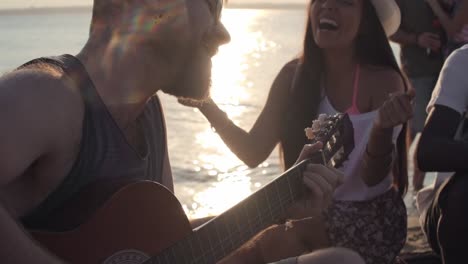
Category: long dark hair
<point>372,48</point>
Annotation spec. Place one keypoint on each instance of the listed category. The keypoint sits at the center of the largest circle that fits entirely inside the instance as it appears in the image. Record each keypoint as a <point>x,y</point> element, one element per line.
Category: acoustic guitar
<point>143,222</point>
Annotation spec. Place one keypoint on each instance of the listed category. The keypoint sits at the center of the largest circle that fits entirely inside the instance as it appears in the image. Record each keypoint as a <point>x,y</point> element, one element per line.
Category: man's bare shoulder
<point>38,87</point>
<point>39,96</point>
<point>31,80</point>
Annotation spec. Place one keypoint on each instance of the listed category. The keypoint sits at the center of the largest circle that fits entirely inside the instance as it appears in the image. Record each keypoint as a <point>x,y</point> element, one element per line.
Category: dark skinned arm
<point>437,148</point>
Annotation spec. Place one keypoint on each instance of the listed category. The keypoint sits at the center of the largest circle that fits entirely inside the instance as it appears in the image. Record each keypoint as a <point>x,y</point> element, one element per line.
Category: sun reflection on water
<point>230,89</point>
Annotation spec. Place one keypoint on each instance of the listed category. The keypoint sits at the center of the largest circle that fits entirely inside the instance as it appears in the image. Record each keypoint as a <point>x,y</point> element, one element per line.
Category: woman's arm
<point>437,149</point>
<point>379,155</point>
<point>255,146</point>
<point>451,25</point>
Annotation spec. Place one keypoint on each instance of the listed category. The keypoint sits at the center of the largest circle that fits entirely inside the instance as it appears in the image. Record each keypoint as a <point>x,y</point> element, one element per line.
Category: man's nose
<point>221,34</point>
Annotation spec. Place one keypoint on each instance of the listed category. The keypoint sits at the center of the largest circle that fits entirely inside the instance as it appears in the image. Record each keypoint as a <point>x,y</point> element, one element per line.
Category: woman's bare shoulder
<point>289,68</point>
<point>285,77</point>
<point>381,82</point>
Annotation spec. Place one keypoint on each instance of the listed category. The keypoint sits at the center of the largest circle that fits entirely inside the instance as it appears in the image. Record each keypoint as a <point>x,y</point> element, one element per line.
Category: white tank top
<point>354,188</point>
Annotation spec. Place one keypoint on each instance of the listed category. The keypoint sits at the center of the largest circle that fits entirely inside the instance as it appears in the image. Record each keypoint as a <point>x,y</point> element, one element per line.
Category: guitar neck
<point>227,232</point>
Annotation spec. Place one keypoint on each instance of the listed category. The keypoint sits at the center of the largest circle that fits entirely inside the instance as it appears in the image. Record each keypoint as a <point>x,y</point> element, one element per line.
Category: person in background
<point>453,17</point>
<point>421,39</point>
<point>347,66</point>
<point>444,148</point>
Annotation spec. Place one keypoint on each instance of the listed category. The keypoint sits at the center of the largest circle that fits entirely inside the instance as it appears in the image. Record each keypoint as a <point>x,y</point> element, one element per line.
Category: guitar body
<point>138,221</point>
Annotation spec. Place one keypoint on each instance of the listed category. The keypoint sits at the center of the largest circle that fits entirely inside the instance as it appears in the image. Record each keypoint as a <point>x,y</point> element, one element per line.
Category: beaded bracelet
<point>386,157</point>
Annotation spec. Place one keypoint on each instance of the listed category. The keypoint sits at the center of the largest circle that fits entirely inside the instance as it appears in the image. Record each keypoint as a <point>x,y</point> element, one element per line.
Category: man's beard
<point>193,81</point>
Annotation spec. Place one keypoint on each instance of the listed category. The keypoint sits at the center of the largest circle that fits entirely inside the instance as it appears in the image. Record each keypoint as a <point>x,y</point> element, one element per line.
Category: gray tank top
<point>105,154</point>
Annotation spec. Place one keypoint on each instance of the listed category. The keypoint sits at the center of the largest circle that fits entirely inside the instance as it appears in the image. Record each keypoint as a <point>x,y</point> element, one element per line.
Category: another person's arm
<point>451,25</point>
<point>28,119</point>
<point>380,151</point>
<point>255,146</point>
<point>425,40</point>
<point>437,149</point>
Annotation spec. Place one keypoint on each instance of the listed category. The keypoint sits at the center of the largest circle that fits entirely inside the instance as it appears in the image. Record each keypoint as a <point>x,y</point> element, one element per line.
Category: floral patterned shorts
<point>376,229</point>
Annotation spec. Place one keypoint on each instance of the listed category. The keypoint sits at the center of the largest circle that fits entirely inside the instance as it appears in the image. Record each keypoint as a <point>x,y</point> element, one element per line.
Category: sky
<point>6,4</point>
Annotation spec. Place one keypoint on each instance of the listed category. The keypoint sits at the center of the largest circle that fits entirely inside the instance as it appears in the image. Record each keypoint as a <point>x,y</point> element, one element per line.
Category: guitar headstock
<point>337,135</point>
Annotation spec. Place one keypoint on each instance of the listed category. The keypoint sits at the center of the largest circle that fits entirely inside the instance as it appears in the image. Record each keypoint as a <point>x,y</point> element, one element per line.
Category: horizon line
<point>81,8</point>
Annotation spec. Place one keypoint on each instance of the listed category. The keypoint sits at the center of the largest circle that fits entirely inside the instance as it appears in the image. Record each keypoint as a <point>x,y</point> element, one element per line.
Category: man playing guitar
<point>69,121</point>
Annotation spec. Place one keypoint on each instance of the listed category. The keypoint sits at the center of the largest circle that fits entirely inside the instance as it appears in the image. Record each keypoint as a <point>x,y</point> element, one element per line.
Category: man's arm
<point>278,242</point>
<point>437,149</point>
<point>28,132</point>
<point>17,247</point>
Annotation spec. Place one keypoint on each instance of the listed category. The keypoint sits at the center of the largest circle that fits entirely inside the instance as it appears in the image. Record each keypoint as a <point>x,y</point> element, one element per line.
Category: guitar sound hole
<point>127,257</point>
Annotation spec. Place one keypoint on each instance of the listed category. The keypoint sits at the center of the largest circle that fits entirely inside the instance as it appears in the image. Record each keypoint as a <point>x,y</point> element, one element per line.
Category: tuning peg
<point>322,117</point>
<point>310,134</point>
<point>316,126</point>
<point>341,153</point>
<point>337,134</point>
<point>329,145</point>
<point>338,156</point>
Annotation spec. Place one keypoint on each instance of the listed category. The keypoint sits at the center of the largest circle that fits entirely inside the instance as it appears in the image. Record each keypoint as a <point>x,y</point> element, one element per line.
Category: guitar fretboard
<point>227,232</point>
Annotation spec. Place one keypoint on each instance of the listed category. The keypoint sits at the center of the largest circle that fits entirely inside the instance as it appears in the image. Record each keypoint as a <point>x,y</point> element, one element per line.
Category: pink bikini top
<point>353,110</point>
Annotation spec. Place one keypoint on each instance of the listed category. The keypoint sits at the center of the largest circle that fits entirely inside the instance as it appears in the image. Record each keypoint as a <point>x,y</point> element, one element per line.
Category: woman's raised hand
<point>396,110</point>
